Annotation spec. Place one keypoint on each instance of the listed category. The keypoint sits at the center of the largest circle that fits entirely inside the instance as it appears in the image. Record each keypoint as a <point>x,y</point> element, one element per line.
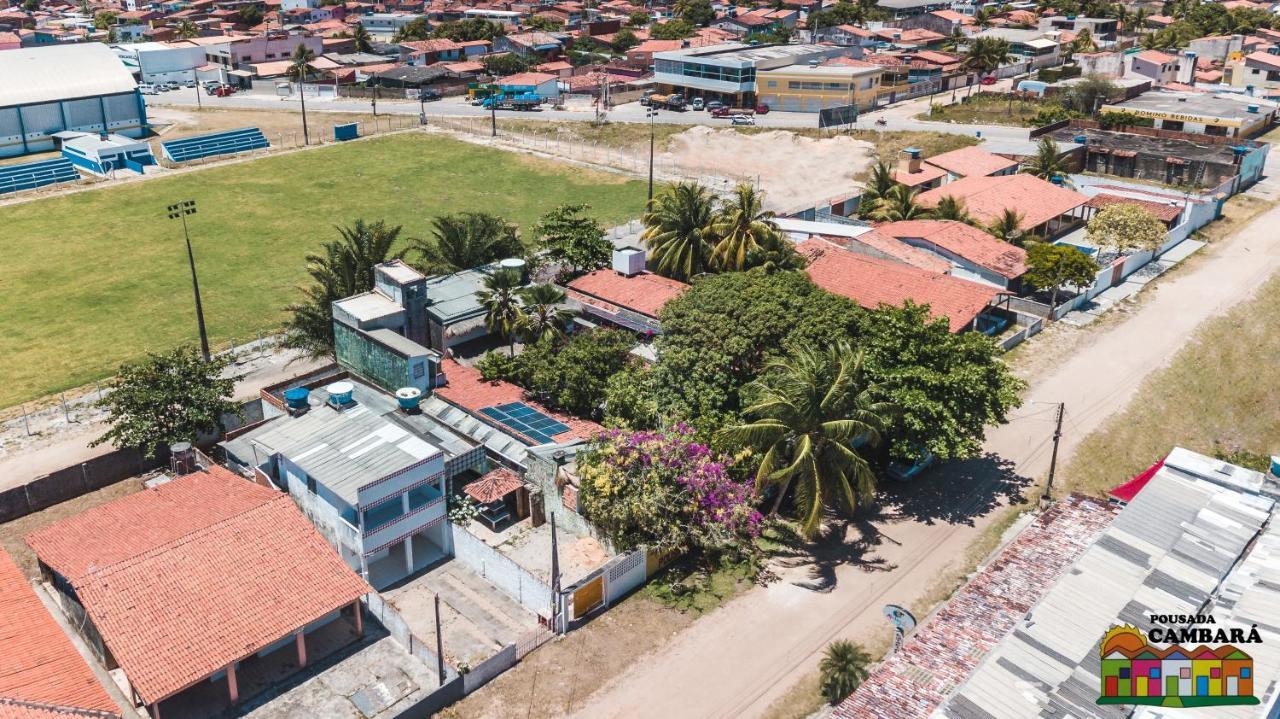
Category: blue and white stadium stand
<point>218,143</point>
<point>30,175</point>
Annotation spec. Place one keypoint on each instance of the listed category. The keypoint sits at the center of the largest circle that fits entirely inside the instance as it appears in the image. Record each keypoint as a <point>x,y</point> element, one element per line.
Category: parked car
<point>172,85</point>
<point>721,111</point>
<point>225,90</point>
<point>762,109</point>
<point>988,80</point>
<point>188,83</point>
<point>714,105</point>
<point>742,120</point>
<point>147,89</point>
<point>697,104</point>
<point>211,88</point>
<point>430,95</point>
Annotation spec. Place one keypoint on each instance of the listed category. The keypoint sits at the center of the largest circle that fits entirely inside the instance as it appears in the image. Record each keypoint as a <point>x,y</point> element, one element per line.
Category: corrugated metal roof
<point>61,72</point>
<point>1166,553</point>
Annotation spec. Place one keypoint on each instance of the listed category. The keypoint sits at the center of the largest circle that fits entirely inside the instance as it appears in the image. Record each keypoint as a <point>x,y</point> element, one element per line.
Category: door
<point>1202,686</point>
<point>1171,686</point>
<point>588,597</point>
<point>1233,686</point>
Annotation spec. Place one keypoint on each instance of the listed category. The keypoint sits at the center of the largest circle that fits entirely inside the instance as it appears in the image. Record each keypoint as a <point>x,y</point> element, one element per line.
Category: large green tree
<point>1125,228</point>
<point>677,230</point>
<point>573,239</point>
<point>168,398</point>
<point>465,240</point>
<point>342,268</point>
<point>1052,267</point>
<point>572,375</point>
<point>545,316</point>
<point>812,413</point>
<point>844,667</point>
<point>503,310</point>
<point>469,30</point>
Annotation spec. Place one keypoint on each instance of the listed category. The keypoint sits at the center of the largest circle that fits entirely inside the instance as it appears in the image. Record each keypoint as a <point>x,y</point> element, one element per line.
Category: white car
<point>148,90</point>
<point>742,120</point>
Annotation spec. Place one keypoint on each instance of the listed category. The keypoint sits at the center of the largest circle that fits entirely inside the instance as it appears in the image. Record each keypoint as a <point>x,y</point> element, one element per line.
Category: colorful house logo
<point>1134,672</point>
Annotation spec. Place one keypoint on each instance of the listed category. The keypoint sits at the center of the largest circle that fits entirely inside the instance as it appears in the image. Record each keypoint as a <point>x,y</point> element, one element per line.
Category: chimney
<point>910,162</point>
<point>628,261</point>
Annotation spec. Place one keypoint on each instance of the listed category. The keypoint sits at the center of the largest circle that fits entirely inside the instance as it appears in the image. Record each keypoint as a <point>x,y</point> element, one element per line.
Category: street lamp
<point>651,112</point>
<point>179,211</point>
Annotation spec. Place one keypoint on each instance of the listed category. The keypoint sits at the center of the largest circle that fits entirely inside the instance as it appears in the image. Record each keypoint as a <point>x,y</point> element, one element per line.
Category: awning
<point>240,73</point>
<point>493,486</point>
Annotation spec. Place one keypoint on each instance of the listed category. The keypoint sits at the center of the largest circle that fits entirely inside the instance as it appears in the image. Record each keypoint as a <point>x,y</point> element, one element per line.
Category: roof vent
<point>340,395</point>
<point>1253,109</point>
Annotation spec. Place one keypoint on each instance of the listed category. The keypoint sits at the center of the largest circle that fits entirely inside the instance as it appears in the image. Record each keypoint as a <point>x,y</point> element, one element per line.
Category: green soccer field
<point>91,279</point>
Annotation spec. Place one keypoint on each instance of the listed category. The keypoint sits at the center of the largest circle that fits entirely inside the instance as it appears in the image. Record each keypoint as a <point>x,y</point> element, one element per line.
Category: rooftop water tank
<point>296,398</point>
<point>340,393</point>
<point>408,397</point>
<point>516,265</point>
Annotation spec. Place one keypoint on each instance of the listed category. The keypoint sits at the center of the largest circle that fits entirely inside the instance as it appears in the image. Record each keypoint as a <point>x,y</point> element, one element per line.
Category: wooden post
<point>302,649</point>
<point>231,683</point>
<point>154,710</point>
<point>359,618</point>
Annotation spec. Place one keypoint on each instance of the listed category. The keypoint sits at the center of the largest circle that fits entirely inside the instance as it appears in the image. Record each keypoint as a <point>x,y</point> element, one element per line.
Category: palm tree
<point>677,230</point>
<point>809,411</point>
<point>343,267</point>
<point>843,669</point>
<point>742,226</point>
<point>500,298</point>
<point>363,41</point>
<point>543,315</point>
<point>1083,42</point>
<point>951,208</point>
<point>1008,227</point>
<point>899,205</point>
<point>299,65</point>
<point>465,240</point>
<point>1046,163</point>
<point>879,183</point>
<point>187,30</point>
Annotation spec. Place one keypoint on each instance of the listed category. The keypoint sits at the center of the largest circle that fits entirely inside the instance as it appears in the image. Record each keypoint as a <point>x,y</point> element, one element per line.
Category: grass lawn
<point>1217,397</point>
<point>989,109</point>
<point>95,278</point>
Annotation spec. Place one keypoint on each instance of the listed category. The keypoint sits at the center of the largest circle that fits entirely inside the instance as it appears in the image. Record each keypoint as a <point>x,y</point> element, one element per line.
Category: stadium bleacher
<point>218,143</point>
<point>31,175</point>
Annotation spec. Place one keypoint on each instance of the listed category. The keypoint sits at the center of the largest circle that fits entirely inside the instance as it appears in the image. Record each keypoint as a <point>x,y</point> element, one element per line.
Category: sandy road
<point>735,662</point>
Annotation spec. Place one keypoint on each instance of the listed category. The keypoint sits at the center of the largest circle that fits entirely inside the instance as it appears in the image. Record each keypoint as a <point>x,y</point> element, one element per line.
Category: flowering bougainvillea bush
<point>663,490</point>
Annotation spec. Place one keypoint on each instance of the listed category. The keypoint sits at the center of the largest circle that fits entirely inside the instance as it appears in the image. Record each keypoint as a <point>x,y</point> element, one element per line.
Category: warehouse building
<point>81,87</point>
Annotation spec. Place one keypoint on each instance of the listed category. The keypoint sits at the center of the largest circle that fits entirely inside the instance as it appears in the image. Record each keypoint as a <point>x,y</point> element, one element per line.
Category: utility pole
<point>180,210</point>
<point>555,579</point>
<point>493,109</point>
<point>652,113</point>
<point>439,645</point>
<point>1053,458</point>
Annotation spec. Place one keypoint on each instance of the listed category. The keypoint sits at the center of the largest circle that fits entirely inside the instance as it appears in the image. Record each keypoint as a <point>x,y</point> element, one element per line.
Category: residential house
<point>914,173</point>
<point>543,84</point>
<point>427,52</point>
<point>815,87</point>
<point>1258,69</point>
<point>545,45</point>
<point>872,282</point>
<point>907,8</point>
<point>847,35</point>
<point>625,295</point>
<point>1161,67</point>
<point>971,253</point>
<point>1047,210</point>
<point>972,162</point>
<point>41,672</point>
<point>193,585</point>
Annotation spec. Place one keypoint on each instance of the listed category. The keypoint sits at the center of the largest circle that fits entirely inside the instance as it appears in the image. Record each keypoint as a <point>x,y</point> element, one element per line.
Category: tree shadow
<point>955,492</point>
<point>846,542</point>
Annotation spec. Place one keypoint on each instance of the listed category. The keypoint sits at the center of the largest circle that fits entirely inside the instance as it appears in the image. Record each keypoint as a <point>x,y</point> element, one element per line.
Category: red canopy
<point>1127,491</point>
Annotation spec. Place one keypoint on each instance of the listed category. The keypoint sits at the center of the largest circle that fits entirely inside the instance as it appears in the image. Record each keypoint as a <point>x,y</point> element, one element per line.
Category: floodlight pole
<point>180,211</point>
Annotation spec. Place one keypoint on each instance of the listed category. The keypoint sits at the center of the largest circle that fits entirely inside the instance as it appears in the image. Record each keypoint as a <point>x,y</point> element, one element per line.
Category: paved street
<point>897,117</point>
<point>736,661</point>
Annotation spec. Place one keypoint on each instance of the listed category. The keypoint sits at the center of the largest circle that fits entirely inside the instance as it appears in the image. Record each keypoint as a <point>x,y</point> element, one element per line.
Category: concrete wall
<point>71,482</point>
<point>502,572</point>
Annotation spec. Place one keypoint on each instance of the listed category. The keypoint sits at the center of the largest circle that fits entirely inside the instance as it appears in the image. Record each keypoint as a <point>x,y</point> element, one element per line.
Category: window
<point>1184,673</point>
<point>835,86</point>
<point>1215,672</point>
<point>1245,673</point>
<point>311,485</point>
<point>1124,672</point>
<point>773,83</point>
<point>1154,673</point>
<point>419,369</point>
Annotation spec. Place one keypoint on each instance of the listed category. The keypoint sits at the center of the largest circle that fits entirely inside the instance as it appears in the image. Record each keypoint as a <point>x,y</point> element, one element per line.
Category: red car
<point>988,80</point>
<point>762,109</point>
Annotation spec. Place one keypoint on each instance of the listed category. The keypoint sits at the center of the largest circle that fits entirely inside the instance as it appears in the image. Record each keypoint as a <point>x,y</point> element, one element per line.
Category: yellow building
<point>812,87</point>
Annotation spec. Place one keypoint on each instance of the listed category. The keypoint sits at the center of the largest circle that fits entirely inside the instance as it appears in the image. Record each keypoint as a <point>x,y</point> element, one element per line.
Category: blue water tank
<point>296,398</point>
<point>408,397</point>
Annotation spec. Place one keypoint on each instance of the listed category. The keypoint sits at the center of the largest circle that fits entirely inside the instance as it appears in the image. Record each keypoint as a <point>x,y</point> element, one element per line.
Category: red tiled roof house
<point>184,584</point>
<point>626,295</point>
<point>1047,210</point>
<point>971,253</point>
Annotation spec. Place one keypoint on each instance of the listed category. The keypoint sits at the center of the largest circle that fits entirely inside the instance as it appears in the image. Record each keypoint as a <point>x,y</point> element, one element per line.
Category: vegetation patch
<point>95,278</point>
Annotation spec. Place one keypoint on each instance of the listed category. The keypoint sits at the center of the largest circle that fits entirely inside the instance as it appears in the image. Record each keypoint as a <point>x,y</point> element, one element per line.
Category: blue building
<point>81,87</point>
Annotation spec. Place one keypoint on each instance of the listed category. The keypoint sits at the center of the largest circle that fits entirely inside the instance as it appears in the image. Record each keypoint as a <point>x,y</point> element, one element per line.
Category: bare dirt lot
<point>11,533</point>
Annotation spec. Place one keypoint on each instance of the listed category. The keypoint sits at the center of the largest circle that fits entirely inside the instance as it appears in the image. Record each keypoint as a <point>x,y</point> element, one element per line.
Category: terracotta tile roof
<point>969,161</point>
<point>927,174</point>
<point>1162,210</point>
<point>19,709</point>
<point>1264,58</point>
<point>526,78</point>
<point>880,243</point>
<point>645,293</point>
<point>944,650</point>
<point>38,663</point>
<point>494,485</point>
<point>1155,56</point>
<point>872,282</point>
<point>435,45</point>
<point>987,197</point>
<point>179,607</point>
<point>971,243</point>
<point>468,390</point>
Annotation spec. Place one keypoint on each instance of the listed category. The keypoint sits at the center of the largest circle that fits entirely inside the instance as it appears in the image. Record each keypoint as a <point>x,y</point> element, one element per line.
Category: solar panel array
<point>526,420</point>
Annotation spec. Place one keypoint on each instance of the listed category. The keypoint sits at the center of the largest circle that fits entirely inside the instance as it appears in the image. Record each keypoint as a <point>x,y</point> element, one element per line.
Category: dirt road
<point>735,662</point>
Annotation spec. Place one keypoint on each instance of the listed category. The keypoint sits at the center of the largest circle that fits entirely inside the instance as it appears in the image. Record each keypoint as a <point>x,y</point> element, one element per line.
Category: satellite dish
<point>899,617</point>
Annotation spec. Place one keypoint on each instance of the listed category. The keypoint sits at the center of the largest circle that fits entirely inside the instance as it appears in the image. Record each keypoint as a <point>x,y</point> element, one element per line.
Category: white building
<point>159,62</point>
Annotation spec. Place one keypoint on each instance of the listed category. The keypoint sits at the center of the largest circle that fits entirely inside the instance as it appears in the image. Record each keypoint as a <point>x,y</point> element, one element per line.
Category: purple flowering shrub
<point>664,490</point>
